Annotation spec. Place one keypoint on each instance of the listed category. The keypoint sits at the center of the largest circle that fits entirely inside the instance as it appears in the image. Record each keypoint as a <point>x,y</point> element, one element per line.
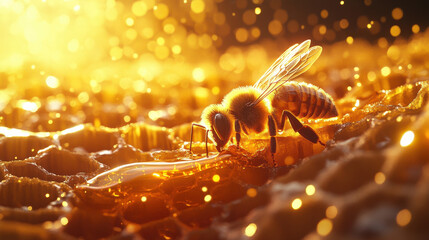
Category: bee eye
<point>222,126</point>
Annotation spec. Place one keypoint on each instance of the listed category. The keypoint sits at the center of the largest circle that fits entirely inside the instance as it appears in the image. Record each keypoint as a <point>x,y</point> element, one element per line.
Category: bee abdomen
<point>304,101</point>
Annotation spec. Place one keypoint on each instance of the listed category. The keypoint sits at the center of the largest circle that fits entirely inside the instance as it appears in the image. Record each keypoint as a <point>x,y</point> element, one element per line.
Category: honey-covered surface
<point>94,148</point>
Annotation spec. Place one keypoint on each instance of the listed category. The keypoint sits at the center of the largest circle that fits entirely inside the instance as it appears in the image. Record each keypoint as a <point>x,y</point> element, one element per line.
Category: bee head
<point>219,121</point>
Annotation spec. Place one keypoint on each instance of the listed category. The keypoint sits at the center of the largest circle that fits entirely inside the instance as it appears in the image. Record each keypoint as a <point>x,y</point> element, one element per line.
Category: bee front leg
<point>237,128</point>
<point>304,130</point>
<point>192,136</point>
<point>273,142</point>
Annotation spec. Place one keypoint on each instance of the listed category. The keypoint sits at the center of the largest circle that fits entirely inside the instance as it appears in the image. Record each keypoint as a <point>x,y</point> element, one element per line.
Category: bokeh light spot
<point>296,204</point>
<point>161,11</point>
<point>397,13</point>
<point>407,138</point>
<point>324,227</point>
<point>52,82</point>
<point>197,6</point>
<point>250,230</point>
<point>395,31</point>
<point>310,190</point>
<point>403,217</point>
<point>275,27</point>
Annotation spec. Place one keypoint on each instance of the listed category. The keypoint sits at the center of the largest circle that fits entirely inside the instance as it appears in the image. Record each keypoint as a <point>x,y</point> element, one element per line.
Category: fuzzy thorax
<point>253,118</point>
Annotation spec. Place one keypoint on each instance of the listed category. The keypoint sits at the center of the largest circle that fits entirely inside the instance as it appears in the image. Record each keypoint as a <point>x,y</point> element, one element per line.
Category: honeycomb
<point>108,157</point>
<point>140,180</point>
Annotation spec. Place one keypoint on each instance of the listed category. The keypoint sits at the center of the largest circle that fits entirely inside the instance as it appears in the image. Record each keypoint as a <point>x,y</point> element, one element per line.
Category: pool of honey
<point>114,162</point>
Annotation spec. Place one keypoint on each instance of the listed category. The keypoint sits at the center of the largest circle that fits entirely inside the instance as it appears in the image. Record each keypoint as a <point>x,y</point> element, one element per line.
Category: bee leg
<point>207,149</point>
<point>304,130</point>
<point>273,143</point>
<point>237,128</point>
<point>192,136</point>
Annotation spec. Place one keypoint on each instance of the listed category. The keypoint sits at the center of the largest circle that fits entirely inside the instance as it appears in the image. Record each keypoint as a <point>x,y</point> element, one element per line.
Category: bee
<point>269,101</point>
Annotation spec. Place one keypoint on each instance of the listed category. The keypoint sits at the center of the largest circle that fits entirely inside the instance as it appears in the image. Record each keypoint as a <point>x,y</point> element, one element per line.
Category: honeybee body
<point>303,100</point>
<point>271,99</point>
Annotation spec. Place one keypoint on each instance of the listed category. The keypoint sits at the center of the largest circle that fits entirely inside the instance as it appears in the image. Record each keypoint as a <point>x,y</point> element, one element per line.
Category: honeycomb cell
<point>147,137</point>
<point>238,209</point>
<point>29,192</point>
<point>360,169</point>
<point>19,148</point>
<point>178,184</point>
<point>30,169</point>
<point>189,198</point>
<point>122,155</point>
<point>37,216</point>
<point>167,228</point>
<point>14,230</point>
<point>2,173</point>
<point>50,159</point>
<point>199,217</point>
<point>90,224</point>
<point>228,192</point>
<point>300,221</point>
<point>88,138</point>
<point>145,209</point>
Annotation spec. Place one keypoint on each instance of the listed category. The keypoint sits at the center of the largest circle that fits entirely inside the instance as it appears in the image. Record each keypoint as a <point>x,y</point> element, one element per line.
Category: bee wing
<point>292,63</point>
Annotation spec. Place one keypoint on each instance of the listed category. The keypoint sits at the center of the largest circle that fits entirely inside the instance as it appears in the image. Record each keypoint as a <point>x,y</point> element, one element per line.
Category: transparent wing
<point>292,63</point>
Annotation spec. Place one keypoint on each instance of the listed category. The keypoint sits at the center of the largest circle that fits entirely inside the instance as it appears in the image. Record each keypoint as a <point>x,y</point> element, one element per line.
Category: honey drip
<point>143,177</point>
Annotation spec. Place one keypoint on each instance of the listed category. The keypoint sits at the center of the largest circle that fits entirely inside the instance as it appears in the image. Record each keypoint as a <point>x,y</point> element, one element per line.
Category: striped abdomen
<point>303,100</point>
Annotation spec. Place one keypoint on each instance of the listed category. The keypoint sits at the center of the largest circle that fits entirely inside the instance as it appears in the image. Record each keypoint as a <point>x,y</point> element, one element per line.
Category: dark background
<point>414,12</point>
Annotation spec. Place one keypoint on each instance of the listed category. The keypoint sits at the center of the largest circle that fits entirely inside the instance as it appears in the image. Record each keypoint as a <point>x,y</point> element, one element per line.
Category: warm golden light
<point>331,212</point>
<point>28,106</point>
<point>198,75</point>
<point>395,30</point>
<point>344,23</point>
<point>372,76</point>
<point>385,71</point>
<point>322,29</point>
<point>349,40</point>
<point>207,198</point>
<point>250,230</point>
<point>379,178</point>
<point>161,11</point>
<point>64,221</point>
<point>143,199</point>
<point>324,227</point>
<point>216,178</point>
<point>415,28</point>
<point>275,27</point>
<point>197,6</point>
<point>241,35</point>
<point>251,192</point>
<point>310,190</point>
<point>324,13</point>
<point>397,13</point>
<point>52,82</point>
<point>407,138</point>
<point>139,8</point>
<point>296,204</point>
<point>289,160</point>
<point>403,217</point>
